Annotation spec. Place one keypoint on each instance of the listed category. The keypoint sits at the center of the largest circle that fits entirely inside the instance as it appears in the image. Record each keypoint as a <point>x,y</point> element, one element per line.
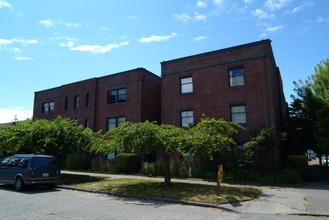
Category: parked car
<point>324,160</point>
<point>22,169</point>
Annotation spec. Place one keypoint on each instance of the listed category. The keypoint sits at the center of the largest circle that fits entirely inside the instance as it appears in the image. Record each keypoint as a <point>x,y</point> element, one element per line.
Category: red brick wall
<point>142,99</point>
<point>262,93</point>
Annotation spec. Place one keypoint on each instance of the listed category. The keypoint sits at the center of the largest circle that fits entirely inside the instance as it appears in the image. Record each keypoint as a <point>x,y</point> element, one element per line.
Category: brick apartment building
<point>240,84</point>
<point>103,103</point>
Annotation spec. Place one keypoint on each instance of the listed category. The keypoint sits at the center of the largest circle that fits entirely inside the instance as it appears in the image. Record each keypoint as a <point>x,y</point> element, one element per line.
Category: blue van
<point>23,169</point>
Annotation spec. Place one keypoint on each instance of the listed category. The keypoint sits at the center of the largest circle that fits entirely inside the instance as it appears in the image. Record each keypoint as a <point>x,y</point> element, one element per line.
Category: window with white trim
<point>115,122</point>
<point>239,114</point>
<point>116,96</point>
<point>112,123</point>
<point>186,118</point>
<point>236,77</point>
<point>48,107</point>
<point>186,85</point>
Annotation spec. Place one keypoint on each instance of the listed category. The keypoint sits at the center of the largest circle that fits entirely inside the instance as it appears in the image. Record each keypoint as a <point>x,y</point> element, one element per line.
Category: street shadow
<point>29,189</point>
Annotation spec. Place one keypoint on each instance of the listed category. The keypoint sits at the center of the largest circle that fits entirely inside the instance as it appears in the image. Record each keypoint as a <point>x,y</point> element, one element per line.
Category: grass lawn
<point>178,191</point>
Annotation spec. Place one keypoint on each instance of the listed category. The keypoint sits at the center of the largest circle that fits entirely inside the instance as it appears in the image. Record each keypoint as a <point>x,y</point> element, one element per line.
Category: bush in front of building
<point>286,176</point>
<point>153,168</point>
<point>128,163</point>
<point>298,163</point>
<point>100,164</point>
<point>77,161</point>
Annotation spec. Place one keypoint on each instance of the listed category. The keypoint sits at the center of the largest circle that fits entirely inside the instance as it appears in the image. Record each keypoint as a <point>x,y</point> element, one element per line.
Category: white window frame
<point>239,114</point>
<point>237,77</point>
<point>186,118</point>
<point>186,85</point>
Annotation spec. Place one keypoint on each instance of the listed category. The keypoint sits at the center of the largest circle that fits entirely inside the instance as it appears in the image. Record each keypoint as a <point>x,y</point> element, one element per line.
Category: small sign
<point>220,174</point>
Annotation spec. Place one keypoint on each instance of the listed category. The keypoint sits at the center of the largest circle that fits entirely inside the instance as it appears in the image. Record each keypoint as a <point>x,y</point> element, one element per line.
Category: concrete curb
<point>309,215</point>
<point>182,202</point>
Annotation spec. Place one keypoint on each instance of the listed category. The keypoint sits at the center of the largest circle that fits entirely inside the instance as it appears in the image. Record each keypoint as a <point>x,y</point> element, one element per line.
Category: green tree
<point>314,93</point>
<point>260,142</point>
<point>212,136</point>
<point>298,129</point>
<point>58,137</point>
<point>145,137</point>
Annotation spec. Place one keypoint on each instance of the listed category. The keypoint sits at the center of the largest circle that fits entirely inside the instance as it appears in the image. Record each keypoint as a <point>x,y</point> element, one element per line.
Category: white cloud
<point>132,17</point>
<point>271,30</point>
<point>9,115</point>
<point>182,17</point>
<point>276,4</point>
<point>219,2</point>
<point>27,42</point>
<point>200,38</point>
<point>4,4</point>
<point>302,6</point>
<point>261,14</point>
<point>48,23</point>
<point>320,19</point>
<point>201,4</point>
<point>71,24</point>
<point>248,1</point>
<point>157,38</point>
<point>22,58</point>
<point>199,17</point>
<point>97,49</point>
<point>6,42</point>
<point>186,18</point>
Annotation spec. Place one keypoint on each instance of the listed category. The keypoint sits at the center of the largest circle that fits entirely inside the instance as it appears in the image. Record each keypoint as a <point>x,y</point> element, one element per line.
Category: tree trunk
<point>166,164</point>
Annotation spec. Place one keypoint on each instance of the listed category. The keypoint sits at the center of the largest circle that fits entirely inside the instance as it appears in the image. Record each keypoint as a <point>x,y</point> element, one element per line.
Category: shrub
<point>178,168</point>
<point>148,169</point>
<point>77,162</point>
<point>298,163</point>
<point>286,176</point>
<point>127,163</point>
<point>243,175</point>
<point>103,165</point>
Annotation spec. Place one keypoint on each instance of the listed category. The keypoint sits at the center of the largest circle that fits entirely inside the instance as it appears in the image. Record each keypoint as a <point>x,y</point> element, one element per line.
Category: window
<point>87,99</point>
<point>23,163</point>
<point>48,107</point>
<point>187,118</point>
<point>86,123</point>
<point>116,96</point>
<point>236,77</point>
<point>13,162</point>
<point>76,101</point>
<point>186,85</point>
<point>115,122</point>
<point>66,103</point>
<point>239,114</point>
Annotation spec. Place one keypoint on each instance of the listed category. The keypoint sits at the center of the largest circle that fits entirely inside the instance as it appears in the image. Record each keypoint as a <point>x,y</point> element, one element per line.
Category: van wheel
<point>19,184</point>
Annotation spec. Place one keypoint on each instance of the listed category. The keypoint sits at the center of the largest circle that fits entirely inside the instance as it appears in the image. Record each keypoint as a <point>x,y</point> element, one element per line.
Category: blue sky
<point>45,44</point>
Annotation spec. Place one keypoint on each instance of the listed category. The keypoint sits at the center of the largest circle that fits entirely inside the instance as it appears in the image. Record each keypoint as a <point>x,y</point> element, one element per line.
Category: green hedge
<point>286,176</point>
<point>77,162</point>
<point>128,163</point>
<point>298,163</point>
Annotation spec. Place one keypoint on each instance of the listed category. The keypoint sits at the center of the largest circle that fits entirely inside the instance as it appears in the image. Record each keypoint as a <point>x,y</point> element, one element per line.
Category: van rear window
<point>44,162</point>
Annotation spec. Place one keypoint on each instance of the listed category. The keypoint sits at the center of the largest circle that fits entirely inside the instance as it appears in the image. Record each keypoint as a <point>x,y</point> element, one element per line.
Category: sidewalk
<point>272,199</point>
